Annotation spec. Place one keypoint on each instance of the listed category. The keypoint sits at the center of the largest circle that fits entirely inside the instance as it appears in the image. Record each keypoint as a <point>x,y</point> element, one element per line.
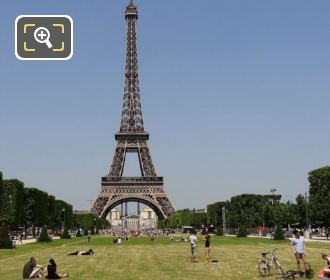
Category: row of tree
<point>22,207</point>
<point>252,210</point>
<point>185,217</point>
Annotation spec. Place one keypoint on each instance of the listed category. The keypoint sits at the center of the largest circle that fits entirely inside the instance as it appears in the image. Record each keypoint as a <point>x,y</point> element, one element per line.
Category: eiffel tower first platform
<point>132,138</point>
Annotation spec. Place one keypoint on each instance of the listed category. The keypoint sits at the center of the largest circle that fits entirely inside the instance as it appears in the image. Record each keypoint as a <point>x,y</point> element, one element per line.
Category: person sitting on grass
<point>325,271</point>
<point>52,274</point>
<point>82,253</point>
<point>32,270</point>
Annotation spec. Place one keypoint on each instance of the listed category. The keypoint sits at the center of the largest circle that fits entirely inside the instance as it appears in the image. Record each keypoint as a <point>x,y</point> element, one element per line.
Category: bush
<point>78,234</point>
<point>241,231</point>
<point>219,232</point>
<point>65,234</point>
<point>5,242</point>
<point>44,237</point>
<point>278,235</point>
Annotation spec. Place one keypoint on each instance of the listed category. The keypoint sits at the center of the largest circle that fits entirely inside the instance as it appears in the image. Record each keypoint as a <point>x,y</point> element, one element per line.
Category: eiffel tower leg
<point>117,166</point>
<point>147,166</point>
<point>139,215</point>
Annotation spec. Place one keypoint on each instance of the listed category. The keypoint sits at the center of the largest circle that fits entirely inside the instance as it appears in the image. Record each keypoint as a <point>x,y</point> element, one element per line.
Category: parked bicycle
<point>268,263</point>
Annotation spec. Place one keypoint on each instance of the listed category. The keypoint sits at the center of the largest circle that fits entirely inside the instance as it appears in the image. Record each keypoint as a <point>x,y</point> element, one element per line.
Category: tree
<point>12,202</point>
<point>319,195</point>
<point>65,234</point>
<point>5,242</point>
<point>283,214</point>
<point>44,237</point>
<point>301,208</point>
<point>214,213</point>
<point>36,208</point>
<point>0,190</point>
<point>278,235</point>
<point>245,210</point>
<point>241,231</point>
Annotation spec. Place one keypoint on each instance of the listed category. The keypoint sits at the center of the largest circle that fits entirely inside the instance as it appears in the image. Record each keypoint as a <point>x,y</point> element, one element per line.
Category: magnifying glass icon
<point>42,35</point>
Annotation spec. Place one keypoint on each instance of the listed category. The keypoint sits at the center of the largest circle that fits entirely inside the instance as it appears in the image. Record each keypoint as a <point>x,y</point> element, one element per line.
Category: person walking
<point>193,245</point>
<point>207,239</point>
<point>299,250</point>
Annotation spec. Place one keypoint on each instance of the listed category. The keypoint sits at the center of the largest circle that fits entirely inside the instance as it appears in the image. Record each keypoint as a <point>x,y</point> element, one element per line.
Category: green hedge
<point>5,242</point>
<point>44,237</point>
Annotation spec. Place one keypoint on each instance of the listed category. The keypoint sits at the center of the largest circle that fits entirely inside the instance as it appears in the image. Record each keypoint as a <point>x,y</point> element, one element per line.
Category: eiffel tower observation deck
<point>132,138</point>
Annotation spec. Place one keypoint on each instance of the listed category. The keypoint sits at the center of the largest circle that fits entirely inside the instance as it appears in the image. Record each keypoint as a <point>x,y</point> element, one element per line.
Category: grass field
<point>140,258</point>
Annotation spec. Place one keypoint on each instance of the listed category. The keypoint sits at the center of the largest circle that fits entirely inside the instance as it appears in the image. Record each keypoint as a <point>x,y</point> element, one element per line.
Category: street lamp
<point>94,225</point>
<point>63,215</point>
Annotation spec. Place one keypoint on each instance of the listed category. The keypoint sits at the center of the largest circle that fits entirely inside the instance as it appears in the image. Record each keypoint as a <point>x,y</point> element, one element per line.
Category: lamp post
<point>223,220</point>
<point>63,215</point>
<point>94,225</point>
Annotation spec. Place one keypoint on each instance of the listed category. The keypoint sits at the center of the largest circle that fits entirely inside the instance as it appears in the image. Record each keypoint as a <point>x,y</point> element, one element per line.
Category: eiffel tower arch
<point>132,138</point>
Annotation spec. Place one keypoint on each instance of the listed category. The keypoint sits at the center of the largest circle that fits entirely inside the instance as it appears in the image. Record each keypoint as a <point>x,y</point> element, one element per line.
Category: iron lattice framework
<point>147,189</point>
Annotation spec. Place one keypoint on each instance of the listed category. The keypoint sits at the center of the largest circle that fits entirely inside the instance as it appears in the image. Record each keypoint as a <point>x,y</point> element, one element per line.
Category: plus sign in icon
<point>44,37</point>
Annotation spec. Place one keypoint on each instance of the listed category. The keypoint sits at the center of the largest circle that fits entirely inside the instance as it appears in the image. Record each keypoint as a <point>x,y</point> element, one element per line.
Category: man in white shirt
<point>193,244</point>
<point>298,248</point>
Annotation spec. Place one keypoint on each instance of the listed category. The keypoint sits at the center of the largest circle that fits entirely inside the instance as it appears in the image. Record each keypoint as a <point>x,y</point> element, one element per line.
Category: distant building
<point>145,221</point>
<point>83,212</point>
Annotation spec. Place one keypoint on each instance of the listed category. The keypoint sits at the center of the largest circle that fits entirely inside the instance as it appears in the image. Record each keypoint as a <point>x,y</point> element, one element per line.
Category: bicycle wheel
<point>263,268</point>
<point>279,268</point>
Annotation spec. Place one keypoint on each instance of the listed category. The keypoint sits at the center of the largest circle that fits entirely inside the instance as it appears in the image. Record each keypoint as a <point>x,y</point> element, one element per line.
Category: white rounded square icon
<point>44,37</point>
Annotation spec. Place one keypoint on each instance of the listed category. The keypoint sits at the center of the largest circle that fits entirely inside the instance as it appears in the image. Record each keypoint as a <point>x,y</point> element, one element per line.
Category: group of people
<point>297,245</point>
<point>193,246</point>
<point>299,250</point>
<point>32,270</point>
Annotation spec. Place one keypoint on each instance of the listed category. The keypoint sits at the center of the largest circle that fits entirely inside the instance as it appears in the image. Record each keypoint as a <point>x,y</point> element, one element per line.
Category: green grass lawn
<point>140,258</point>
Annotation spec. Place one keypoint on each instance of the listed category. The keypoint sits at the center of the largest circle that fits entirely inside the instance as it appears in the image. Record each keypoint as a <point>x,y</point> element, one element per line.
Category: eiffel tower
<point>132,138</point>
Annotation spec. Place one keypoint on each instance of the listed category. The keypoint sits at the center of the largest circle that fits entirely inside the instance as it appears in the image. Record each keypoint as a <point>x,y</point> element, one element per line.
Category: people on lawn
<point>32,270</point>
<point>82,253</point>
<point>299,250</point>
<point>193,246</point>
<point>207,240</point>
<point>324,272</point>
<point>52,271</point>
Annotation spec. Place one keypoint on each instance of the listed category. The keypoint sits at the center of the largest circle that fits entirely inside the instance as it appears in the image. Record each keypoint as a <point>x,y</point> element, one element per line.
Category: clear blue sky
<point>235,95</point>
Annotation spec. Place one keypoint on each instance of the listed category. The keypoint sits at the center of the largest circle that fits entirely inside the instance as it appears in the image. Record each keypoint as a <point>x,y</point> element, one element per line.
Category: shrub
<point>241,231</point>
<point>278,235</point>
<point>65,234</point>
<point>78,234</point>
<point>5,242</point>
<point>219,232</point>
<point>44,237</point>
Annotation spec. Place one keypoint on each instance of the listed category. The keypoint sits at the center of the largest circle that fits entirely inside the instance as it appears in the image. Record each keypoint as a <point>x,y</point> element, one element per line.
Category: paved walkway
<point>31,240</point>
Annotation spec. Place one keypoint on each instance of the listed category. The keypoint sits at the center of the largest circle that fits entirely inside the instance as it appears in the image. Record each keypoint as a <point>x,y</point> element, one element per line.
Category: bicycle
<point>265,265</point>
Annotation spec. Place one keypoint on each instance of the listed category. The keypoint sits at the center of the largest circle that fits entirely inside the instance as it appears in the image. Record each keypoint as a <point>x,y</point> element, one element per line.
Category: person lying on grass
<point>82,253</point>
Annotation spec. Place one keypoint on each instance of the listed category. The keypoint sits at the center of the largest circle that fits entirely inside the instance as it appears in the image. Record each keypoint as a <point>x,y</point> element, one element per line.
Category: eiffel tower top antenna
<point>131,9</point>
